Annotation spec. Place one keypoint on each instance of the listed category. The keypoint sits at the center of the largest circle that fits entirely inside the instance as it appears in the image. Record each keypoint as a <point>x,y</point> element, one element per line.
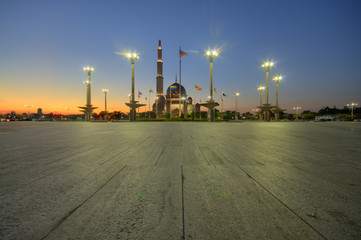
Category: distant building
<point>40,111</point>
<point>325,118</point>
<point>12,113</point>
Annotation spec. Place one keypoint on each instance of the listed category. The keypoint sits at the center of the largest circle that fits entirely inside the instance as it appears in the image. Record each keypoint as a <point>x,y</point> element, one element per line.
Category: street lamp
<point>28,106</point>
<point>88,109</point>
<point>277,79</point>
<point>260,89</point>
<point>296,108</point>
<point>352,106</point>
<point>277,110</point>
<point>156,106</point>
<point>68,108</point>
<point>267,66</point>
<point>133,104</point>
<point>182,100</point>
<point>236,117</point>
<point>105,96</point>
<point>211,54</point>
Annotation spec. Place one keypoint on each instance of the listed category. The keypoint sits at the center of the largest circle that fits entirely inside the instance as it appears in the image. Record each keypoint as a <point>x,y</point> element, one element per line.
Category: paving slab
<point>180,180</point>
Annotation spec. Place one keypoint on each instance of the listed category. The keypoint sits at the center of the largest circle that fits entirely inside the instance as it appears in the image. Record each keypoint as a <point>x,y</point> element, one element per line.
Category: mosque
<point>175,100</point>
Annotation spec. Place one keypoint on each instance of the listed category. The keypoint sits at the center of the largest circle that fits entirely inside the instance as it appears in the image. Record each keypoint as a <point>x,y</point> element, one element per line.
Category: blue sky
<point>45,44</point>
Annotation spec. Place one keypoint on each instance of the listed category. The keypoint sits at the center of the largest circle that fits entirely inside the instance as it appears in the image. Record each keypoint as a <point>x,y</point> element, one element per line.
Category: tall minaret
<point>159,71</point>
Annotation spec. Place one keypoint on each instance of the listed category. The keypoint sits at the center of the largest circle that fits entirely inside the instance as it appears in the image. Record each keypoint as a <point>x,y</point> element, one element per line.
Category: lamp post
<point>277,79</point>
<point>182,99</point>
<point>88,109</point>
<point>28,106</point>
<point>68,108</point>
<point>156,107</point>
<point>211,104</point>
<point>267,66</point>
<point>236,117</point>
<point>296,108</point>
<point>352,106</point>
<point>260,89</point>
<point>105,107</point>
<point>133,104</point>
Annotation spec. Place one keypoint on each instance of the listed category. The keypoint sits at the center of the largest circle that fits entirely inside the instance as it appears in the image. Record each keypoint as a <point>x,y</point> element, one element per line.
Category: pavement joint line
<point>111,157</point>
<point>160,155</point>
<point>74,210</point>
<point>202,154</point>
<point>279,200</point>
<point>184,234</point>
<point>324,179</point>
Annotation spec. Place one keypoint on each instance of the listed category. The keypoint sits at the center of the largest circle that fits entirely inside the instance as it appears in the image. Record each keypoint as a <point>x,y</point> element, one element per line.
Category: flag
<point>215,91</point>
<point>150,90</point>
<point>173,87</point>
<point>181,53</point>
<point>139,94</point>
<point>223,94</point>
<point>222,98</point>
<point>198,88</point>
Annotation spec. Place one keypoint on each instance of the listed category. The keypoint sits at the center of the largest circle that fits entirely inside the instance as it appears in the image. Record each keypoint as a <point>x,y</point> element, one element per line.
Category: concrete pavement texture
<point>180,180</point>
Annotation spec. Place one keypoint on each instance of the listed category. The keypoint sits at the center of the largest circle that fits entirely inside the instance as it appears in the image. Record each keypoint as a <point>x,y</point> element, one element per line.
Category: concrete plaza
<point>180,180</point>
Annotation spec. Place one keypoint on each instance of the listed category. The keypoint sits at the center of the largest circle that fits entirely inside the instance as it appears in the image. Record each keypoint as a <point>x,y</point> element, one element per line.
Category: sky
<point>44,46</point>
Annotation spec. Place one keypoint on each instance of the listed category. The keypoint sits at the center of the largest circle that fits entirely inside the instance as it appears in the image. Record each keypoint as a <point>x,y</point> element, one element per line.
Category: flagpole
<point>149,105</point>
<point>170,104</point>
<point>195,102</point>
<point>180,81</point>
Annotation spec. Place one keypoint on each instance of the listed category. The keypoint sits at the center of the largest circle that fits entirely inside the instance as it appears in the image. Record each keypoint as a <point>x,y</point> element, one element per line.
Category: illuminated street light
<point>236,117</point>
<point>133,104</point>
<point>156,106</point>
<point>277,79</point>
<point>277,110</point>
<point>211,104</point>
<point>297,108</point>
<point>29,106</point>
<point>88,109</point>
<point>68,108</point>
<point>105,95</point>
<point>352,106</point>
<point>105,108</point>
<point>267,66</point>
<point>260,89</point>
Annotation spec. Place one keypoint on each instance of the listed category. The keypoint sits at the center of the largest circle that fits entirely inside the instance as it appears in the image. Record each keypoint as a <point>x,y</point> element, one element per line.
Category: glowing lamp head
<point>105,90</point>
<point>133,56</point>
<point>88,69</point>
<point>211,53</point>
<point>267,65</point>
<point>237,93</point>
<point>277,78</point>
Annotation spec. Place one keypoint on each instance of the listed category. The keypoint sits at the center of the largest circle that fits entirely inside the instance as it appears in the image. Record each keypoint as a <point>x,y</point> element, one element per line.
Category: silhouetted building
<point>40,111</point>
